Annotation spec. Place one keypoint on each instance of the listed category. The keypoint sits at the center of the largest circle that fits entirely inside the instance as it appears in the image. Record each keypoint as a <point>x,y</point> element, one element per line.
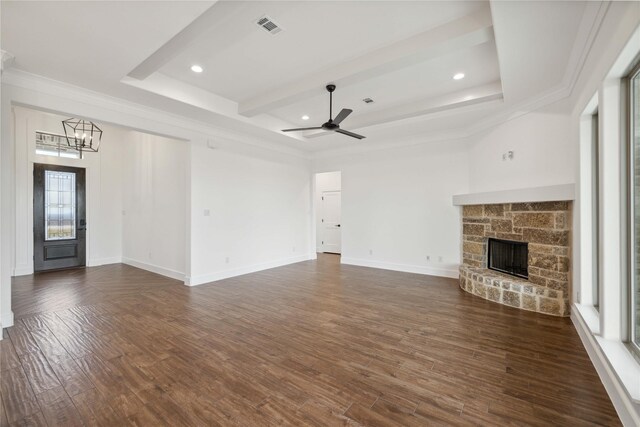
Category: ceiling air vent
<point>368,101</point>
<point>268,25</point>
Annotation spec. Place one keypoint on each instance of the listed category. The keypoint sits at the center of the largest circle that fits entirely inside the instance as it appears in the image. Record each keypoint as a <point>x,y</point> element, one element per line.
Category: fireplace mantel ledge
<point>551,193</point>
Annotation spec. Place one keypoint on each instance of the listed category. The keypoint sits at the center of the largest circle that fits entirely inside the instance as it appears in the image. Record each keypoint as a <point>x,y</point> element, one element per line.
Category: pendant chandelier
<point>83,135</point>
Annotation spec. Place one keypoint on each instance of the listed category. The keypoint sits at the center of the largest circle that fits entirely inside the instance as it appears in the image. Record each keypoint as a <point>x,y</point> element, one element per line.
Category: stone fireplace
<point>545,227</point>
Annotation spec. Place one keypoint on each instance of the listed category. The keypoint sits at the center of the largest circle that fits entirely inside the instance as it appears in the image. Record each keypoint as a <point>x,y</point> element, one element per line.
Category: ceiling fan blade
<point>342,115</point>
<point>297,129</point>
<point>351,134</point>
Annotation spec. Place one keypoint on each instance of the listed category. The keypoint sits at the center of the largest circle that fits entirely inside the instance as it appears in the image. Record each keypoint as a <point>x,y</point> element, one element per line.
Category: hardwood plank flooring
<point>309,344</point>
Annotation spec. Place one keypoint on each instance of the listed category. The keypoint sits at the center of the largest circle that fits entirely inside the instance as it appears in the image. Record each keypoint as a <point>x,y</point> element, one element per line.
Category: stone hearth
<point>546,227</point>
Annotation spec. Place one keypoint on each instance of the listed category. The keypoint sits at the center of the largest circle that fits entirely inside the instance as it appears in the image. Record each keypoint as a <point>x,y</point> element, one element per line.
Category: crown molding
<point>595,12</point>
<point>180,125</point>
<point>592,21</point>
<point>187,126</point>
<point>6,60</point>
<point>552,96</point>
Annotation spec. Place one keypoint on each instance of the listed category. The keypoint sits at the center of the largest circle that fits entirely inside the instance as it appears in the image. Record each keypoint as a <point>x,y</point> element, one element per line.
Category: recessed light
<point>458,76</point>
<point>197,69</point>
<point>305,117</point>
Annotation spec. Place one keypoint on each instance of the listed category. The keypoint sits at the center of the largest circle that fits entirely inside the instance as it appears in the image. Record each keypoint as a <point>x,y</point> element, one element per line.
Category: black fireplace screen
<point>509,257</point>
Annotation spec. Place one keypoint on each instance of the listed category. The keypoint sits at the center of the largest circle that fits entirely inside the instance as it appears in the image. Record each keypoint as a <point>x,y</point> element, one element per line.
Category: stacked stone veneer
<point>546,226</point>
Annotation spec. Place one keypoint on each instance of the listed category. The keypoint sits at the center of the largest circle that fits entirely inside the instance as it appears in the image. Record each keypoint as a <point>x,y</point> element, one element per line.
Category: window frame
<point>58,153</point>
<point>595,208</point>
<point>632,258</point>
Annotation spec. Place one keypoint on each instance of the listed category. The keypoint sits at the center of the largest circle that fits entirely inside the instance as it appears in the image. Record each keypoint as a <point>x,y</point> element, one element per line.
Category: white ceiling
<point>242,60</point>
<point>401,54</point>
<point>89,43</point>
<point>424,80</point>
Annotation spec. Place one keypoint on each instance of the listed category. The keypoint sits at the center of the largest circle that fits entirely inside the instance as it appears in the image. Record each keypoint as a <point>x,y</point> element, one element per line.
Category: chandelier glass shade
<point>83,135</point>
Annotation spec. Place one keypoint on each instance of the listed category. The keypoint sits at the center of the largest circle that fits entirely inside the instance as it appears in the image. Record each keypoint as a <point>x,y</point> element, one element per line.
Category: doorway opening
<point>328,206</point>
<point>59,217</point>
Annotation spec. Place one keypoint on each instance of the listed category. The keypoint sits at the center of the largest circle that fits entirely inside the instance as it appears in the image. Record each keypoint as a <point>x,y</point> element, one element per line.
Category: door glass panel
<point>59,205</point>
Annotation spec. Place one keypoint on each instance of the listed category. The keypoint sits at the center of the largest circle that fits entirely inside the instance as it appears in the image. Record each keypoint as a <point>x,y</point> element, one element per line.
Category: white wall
<point>259,211</point>
<point>544,152</point>
<point>154,207</point>
<point>142,175</point>
<point>103,184</point>
<point>325,181</point>
<point>397,208</point>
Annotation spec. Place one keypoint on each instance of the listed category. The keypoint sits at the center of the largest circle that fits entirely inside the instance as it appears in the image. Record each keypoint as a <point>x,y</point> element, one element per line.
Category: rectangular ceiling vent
<point>368,101</point>
<point>268,25</point>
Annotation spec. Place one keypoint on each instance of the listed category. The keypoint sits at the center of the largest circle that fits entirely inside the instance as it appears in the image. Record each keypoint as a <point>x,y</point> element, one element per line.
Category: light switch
<point>207,212</point>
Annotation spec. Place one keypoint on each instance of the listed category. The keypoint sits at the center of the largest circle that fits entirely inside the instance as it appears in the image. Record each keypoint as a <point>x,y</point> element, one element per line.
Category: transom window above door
<point>51,144</point>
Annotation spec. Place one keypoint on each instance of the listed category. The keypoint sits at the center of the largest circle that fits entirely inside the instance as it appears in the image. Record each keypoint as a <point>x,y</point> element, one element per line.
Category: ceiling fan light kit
<point>333,124</point>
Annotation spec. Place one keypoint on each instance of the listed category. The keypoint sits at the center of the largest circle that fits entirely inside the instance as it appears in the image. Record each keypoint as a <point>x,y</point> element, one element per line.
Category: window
<point>634,205</point>
<point>50,144</point>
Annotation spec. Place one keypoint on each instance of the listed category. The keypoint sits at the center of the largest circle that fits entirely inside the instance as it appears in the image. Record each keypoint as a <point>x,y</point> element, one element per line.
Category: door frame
<point>55,164</point>
<point>317,188</point>
<point>20,249</point>
<point>322,194</point>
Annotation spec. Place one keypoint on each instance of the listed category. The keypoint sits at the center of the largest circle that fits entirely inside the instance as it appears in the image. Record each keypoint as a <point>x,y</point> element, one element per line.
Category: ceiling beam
<point>462,33</point>
<point>210,18</point>
<point>472,96</point>
<point>177,90</point>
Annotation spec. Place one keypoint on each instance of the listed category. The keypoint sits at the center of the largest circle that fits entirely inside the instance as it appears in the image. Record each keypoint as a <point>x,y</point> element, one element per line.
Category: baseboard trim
<point>6,320</point>
<point>451,272</point>
<point>22,271</point>
<point>27,270</point>
<point>225,274</point>
<point>96,262</point>
<point>154,268</point>
<point>624,405</point>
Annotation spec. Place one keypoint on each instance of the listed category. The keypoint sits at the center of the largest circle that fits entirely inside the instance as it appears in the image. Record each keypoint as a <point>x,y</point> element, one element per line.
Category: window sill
<point>591,317</point>
<point>624,364</point>
<point>618,356</point>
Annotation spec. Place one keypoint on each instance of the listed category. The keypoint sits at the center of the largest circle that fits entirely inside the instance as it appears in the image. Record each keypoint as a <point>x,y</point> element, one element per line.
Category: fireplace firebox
<point>508,257</point>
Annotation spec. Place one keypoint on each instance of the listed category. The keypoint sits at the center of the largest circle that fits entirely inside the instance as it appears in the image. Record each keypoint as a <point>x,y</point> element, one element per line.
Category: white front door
<point>331,236</point>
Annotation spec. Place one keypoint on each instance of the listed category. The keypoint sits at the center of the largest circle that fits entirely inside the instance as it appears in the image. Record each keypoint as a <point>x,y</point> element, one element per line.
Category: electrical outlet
<point>293,249</point>
<point>428,258</point>
<point>440,258</point>
<point>226,260</point>
<point>370,251</point>
<point>207,212</point>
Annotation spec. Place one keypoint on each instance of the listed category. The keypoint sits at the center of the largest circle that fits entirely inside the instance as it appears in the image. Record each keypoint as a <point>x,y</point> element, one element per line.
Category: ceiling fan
<point>332,124</point>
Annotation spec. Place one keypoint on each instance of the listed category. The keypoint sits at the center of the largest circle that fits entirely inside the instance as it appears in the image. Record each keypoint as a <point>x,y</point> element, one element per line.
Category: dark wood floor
<point>314,343</point>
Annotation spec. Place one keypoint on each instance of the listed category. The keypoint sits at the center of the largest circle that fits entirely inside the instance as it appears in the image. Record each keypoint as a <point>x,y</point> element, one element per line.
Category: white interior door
<point>331,235</point>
